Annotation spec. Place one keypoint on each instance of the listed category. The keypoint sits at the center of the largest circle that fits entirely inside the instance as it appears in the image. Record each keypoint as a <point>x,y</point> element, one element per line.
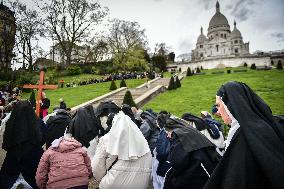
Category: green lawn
<point>77,78</point>
<point>198,92</point>
<point>78,95</point>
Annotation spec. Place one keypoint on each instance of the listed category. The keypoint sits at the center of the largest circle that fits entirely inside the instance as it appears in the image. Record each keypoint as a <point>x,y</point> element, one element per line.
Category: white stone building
<point>220,40</point>
<point>79,54</point>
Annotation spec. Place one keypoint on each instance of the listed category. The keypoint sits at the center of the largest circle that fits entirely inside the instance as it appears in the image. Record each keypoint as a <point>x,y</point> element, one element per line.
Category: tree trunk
<point>24,54</point>
<point>30,55</point>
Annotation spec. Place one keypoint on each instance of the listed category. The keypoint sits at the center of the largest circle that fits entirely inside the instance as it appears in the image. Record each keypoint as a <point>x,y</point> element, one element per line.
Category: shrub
<point>122,83</point>
<point>73,70</point>
<point>128,99</point>
<point>179,69</point>
<point>32,99</point>
<point>279,65</point>
<point>25,78</point>
<point>178,84</point>
<point>87,69</point>
<point>188,72</point>
<point>112,86</point>
<point>8,76</point>
<point>172,84</point>
<point>3,84</point>
<point>253,67</point>
<point>245,64</point>
<point>201,67</point>
<point>198,70</point>
<point>94,70</point>
<point>59,68</point>
<point>228,71</point>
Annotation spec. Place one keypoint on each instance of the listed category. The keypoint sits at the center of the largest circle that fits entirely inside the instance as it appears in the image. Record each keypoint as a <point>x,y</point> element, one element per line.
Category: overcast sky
<point>177,22</point>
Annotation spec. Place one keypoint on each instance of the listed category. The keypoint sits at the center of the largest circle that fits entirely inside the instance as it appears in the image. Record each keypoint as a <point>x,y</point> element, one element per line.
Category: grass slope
<point>198,92</point>
<point>77,78</point>
<point>78,95</point>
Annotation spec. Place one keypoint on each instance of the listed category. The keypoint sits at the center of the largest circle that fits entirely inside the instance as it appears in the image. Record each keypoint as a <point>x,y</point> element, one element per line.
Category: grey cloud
<point>207,4</point>
<point>185,45</point>
<point>279,36</point>
<point>242,9</point>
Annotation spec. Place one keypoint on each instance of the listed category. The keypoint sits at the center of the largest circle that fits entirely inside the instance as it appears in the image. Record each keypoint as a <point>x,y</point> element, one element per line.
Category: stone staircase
<point>141,94</point>
<point>136,92</point>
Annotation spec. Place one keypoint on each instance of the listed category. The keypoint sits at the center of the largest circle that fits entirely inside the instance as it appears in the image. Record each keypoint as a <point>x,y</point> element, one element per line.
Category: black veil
<point>22,130</point>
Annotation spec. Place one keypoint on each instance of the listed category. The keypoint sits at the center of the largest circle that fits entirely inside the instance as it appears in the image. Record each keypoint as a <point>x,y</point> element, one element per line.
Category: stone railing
<point>96,100</point>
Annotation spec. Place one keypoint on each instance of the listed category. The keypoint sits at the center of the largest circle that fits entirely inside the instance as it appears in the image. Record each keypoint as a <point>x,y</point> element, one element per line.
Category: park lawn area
<point>198,92</point>
<point>74,96</point>
<point>167,74</point>
<point>78,78</point>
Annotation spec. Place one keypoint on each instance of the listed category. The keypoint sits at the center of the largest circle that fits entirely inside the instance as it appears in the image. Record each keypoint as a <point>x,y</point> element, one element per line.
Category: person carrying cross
<point>44,105</point>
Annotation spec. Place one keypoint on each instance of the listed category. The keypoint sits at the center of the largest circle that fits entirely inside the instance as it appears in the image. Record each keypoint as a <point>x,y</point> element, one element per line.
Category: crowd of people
<point>117,76</point>
<point>125,147</point>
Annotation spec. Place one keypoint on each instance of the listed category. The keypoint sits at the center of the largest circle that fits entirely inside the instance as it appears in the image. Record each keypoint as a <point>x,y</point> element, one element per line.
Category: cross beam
<point>40,88</point>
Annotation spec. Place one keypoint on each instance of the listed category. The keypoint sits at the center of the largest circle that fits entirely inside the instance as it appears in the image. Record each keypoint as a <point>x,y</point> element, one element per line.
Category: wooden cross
<point>40,87</point>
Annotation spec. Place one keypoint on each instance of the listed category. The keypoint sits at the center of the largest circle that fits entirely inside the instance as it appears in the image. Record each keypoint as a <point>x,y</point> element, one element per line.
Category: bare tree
<point>124,38</point>
<point>70,22</point>
<point>100,50</point>
<point>29,28</point>
<point>161,49</point>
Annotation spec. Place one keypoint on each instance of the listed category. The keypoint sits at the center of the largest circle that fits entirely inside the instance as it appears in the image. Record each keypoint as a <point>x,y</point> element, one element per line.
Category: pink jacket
<point>66,166</point>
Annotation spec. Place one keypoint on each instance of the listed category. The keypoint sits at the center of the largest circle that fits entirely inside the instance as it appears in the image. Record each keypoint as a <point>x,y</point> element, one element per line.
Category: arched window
<point>217,48</point>
<point>221,35</point>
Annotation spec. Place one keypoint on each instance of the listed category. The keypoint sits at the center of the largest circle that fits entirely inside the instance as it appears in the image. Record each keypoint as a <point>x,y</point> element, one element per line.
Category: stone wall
<point>226,62</point>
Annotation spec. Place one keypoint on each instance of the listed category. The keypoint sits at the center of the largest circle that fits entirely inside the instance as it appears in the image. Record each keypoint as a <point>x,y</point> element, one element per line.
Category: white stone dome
<point>201,38</point>
<point>218,20</point>
<point>236,33</point>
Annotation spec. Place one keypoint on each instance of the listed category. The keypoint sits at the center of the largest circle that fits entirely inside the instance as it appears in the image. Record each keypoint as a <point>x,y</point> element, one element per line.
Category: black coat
<point>23,138</point>
<point>187,171</point>
<point>238,168</point>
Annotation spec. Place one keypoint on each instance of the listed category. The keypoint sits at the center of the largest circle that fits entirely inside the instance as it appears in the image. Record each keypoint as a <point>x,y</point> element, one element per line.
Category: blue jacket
<point>162,149</point>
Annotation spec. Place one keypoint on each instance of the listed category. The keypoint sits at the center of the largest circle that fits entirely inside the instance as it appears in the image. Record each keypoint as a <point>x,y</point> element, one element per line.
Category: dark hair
<point>162,118</point>
<point>109,122</point>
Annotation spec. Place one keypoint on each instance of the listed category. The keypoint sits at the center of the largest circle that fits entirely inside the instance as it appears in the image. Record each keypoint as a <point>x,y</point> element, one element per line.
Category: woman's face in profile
<point>222,112</point>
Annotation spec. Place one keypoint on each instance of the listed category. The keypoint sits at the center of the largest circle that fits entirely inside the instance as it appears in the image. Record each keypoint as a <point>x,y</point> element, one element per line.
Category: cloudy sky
<point>177,22</point>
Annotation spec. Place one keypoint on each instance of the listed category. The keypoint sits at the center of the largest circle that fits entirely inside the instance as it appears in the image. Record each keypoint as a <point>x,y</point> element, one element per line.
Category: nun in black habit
<point>85,126</point>
<point>23,140</point>
<point>254,157</point>
<point>192,157</point>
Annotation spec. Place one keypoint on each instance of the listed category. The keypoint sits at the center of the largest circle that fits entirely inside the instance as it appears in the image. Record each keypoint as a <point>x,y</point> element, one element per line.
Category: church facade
<point>222,47</point>
<point>220,40</point>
